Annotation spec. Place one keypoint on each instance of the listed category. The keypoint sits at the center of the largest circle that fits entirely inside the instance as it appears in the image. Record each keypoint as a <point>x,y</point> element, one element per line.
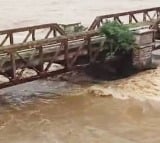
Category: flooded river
<point>81,119</point>
<point>128,112</point>
<point>123,111</point>
<point>15,13</point>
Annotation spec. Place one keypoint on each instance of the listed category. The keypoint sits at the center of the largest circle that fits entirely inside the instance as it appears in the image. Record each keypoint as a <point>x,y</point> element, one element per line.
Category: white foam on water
<point>142,86</point>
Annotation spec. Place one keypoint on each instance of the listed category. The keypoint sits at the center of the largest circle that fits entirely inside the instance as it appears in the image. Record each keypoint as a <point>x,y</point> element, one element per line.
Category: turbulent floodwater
<point>81,119</point>
<point>78,118</point>
<point>15,13</point>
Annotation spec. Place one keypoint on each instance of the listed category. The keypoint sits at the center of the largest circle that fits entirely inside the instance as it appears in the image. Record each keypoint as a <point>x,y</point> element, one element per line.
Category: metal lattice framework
<point>32,33</point>
<point>40,55</point>
<point>38,49</point>
<point>145,16</point>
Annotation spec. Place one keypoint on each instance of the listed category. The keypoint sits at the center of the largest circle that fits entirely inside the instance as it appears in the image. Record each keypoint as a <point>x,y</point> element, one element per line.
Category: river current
<point>35,113</point>
<point>17,13</point>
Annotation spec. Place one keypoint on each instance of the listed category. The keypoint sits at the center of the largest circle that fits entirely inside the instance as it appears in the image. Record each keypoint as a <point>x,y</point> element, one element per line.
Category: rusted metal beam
<point>64,49</point>
<point>33,35</point>
<point>76,55</point>
<point>38,43</point>
<point>148,16</point>
<point>28,35</point>
<point>32,78</point>
<point>129,13</point>
<point>57,53</point>
<point>134,18</point>
<point>31,30</point>
<point>11,39</point>
<point>4,40</point>
<point>49,32</point>
<point>41,62</point>
<point>23,29</point>
<point>66,54</point>
<point>144,16</point>
<point>118,20</point>
<point>13,63</point>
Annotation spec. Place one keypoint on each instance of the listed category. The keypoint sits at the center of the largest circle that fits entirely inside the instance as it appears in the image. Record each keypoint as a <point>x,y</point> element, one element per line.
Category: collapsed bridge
<point>41,47</point>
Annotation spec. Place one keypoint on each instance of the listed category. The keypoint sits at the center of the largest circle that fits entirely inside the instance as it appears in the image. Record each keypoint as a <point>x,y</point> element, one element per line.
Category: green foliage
<point>119,38</point>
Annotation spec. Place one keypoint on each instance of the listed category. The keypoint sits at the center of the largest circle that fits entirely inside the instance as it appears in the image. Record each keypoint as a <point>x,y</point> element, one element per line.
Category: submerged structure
<point>42,47</point>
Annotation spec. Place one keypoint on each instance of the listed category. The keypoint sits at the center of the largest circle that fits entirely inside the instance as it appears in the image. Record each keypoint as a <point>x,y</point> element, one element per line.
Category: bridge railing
<point>39,47</point>
<point>131,17</point>
<point>32,33</point>
<point>39,55</point>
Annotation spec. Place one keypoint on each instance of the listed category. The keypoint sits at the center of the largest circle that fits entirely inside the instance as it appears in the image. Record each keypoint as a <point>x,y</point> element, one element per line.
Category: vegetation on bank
<point>119,39</point>
<point>116,57</point>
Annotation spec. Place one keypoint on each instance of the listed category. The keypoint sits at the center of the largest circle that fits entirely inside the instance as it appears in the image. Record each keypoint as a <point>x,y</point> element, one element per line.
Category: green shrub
<point>119,39</point>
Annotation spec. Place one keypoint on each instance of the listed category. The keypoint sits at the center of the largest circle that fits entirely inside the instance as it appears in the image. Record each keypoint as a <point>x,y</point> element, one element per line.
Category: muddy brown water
<point>17,13</point>
<point>35,113</point>
<point>79,117</point>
